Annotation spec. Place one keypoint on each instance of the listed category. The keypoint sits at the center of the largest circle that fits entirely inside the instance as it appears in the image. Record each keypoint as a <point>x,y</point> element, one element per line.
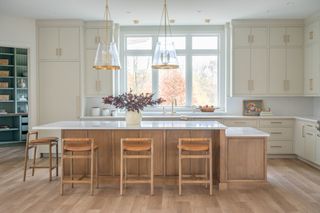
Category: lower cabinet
<point>318,149</point>
<point>310,146</point>
<point>299,138</point>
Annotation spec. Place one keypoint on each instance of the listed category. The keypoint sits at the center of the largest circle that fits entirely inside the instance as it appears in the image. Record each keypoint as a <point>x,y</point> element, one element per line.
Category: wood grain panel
<point>158,140</point>
<point>245,159</point>
<point>103,139</point>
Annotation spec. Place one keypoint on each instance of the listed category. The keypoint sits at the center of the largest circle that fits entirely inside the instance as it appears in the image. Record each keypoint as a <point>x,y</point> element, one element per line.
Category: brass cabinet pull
<point>309,134</point>
<point>276,122</point>
<point>276,133</point>
<point>311,84</point>
<point>276,146</point>
<point>311,35</point>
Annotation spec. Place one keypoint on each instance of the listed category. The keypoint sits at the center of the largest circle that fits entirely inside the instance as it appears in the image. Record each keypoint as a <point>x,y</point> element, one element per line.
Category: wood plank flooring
<point>293,187</point>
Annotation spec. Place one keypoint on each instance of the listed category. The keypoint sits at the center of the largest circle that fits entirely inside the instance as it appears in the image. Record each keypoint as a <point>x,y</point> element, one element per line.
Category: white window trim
<point>188,31</point>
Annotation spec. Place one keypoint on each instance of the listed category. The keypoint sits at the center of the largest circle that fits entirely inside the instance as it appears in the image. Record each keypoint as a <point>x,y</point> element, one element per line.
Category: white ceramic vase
<point>133,118</point>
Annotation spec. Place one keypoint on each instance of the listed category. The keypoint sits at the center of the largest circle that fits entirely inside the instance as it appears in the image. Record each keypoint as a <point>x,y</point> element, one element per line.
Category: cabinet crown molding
<point>60,23</point>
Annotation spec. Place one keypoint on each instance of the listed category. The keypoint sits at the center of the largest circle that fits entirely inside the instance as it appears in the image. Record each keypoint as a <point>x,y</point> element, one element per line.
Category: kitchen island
<point>107,135</point>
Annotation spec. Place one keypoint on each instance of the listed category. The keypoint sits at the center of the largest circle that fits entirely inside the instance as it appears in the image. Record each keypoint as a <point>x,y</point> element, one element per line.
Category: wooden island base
<point>236,161</point>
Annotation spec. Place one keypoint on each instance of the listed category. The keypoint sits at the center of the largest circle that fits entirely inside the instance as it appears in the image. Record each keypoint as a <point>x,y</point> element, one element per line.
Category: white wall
<point>21,32</point>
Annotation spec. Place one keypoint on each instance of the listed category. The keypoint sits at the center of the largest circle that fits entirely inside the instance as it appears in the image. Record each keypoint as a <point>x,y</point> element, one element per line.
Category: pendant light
<point>165,56</point>
<point>107,56</point>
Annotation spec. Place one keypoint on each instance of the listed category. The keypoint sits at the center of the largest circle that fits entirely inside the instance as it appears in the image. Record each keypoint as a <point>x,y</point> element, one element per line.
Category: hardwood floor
<point>293,187</point>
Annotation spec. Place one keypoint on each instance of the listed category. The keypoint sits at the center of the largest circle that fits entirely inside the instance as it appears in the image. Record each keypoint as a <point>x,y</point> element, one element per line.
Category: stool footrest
<point>136,156</point>
<point>195,156</point>
<point>195,181</point>
<point>136,181</point>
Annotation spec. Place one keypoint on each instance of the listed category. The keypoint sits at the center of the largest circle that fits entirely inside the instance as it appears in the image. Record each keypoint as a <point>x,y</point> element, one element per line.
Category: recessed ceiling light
<point>199,11</point>
<point>128,12</point>
<point>172,21</point>
<point>136,21</point>
<point>207,20</point>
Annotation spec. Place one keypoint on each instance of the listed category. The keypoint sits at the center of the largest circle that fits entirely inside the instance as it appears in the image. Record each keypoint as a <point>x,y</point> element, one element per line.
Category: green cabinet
<point>13,95</point>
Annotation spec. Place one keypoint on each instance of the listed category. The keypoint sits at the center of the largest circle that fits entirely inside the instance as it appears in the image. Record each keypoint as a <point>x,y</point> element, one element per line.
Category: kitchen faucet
<point>173,104</point>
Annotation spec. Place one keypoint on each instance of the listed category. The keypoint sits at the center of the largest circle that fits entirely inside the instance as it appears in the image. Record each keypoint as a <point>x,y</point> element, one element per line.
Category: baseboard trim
<point>291,156</point>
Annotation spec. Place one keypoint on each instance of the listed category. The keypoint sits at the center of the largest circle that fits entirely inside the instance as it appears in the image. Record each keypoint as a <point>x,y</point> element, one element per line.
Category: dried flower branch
<point>132,102</point>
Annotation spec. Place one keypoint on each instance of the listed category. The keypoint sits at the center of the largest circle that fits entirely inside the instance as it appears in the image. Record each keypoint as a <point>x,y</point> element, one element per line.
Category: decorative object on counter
<point>207,108</point>
<point>4,73</point>
<point>4,97</point>
<point>133,104</point>
<point>107,56</point>
<point>165,55</point>
<point>266,113</point>
<point>105,112</point>
<point>4,84</point>
<point>22,83</point>
<point>95,111</point>
<point>4,61</point>
<point>252,107</point>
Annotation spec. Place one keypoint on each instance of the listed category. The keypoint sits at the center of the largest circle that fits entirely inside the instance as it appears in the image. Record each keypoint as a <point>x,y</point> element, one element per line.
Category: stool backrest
<point>137,141</point>
<point>32,135</point>
<point>195,141</point>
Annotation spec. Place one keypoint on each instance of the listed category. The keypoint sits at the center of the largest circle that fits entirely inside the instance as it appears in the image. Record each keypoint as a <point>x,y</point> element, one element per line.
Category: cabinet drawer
<point>279,133</point>
<point>276,123</point>
<point>280,147</point>
<point>241,123</point>
<point>309,127</point>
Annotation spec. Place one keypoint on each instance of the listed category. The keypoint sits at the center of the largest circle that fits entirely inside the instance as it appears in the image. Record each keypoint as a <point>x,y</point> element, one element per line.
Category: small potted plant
<point>133,104</point>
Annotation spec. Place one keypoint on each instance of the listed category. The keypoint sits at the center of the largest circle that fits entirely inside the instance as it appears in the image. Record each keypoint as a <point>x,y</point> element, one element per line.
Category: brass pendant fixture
<point>107,56</point>
<point>165,56</point>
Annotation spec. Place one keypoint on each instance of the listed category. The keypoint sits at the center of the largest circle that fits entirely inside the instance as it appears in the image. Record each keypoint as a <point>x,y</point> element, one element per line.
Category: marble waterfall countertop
<point>245,132</point>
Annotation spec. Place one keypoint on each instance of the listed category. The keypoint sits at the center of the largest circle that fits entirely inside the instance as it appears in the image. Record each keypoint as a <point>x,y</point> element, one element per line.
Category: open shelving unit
<point>14,123</point>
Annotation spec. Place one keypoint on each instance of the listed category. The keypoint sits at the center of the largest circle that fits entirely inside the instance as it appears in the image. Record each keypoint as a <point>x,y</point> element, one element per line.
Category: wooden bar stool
<point>33,141</point>
<point>85,149</point>
<point>195,145</point>
<point>135,145</point>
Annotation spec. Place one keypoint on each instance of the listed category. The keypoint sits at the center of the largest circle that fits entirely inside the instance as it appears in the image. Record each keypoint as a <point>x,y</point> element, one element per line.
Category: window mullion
<point>155,73</point>
<point>188,70</point>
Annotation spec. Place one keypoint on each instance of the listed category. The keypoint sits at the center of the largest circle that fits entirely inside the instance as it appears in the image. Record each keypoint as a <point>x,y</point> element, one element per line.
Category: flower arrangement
<point>132,102</point>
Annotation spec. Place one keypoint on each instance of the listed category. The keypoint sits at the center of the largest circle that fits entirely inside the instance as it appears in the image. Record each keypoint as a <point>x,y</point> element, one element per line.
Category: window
<point>200,79</point>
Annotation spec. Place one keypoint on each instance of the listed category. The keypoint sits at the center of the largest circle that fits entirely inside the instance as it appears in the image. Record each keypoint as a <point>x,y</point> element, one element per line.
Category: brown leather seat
<point>137,147</point>
<point>82,148</point>
<point>194,147</point>
<point>44,140</point>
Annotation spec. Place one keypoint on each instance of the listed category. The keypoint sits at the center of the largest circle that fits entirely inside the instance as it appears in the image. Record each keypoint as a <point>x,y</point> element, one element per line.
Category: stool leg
<point>71,168</point>
<point>125,173</point>
<point>50,161</point>
<point>26,156</point>
<point>57,160</point>
<point>206,170</point>
<point>34,159</point>
<point>121,169</point>
<point>91,172</point>
<point>180,171</point>
<point>62,173</point>
<point>97,167</point>
<point>151,170</point>
<point>210,164</point>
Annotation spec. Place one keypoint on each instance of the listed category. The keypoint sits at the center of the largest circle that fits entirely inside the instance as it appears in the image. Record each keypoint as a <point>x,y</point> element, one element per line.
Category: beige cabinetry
<point>267,58</point>
<point>59,43</point>
<point>249,60</point>
<point>286,61</point>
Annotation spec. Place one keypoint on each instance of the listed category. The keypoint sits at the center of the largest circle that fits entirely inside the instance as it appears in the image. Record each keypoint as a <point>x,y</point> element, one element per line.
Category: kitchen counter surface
<point>191,125</point>
<point>245,132</point>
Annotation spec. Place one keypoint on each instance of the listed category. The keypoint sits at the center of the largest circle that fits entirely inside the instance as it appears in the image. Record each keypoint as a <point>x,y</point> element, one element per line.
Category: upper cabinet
<point>286,61</point>
<point>267,59</point>
<point>249,60</point>
<point>59,43</point>
<point>311,55</point>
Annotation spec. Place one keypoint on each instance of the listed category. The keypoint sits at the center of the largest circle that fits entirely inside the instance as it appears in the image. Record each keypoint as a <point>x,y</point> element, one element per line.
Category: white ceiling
<point>148,12</point>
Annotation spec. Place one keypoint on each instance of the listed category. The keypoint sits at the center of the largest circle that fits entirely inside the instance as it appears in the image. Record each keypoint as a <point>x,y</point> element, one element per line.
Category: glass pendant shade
<point>165,56</point>
<point>107,57</point>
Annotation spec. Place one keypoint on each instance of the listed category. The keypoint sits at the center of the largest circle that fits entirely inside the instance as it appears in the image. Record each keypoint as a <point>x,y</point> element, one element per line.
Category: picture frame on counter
<point>252,107</point>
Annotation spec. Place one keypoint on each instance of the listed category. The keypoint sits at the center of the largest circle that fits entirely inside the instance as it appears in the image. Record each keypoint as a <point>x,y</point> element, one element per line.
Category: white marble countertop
<point>245,132</point>
<point>192,125</point>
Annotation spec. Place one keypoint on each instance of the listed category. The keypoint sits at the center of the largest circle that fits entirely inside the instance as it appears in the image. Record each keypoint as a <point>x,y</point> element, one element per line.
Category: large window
<point>199,79</point>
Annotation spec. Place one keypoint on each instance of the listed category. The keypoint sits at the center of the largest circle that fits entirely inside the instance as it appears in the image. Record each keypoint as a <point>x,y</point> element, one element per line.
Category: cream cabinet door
<point>48,43</point>
<point>311,69</point>
<point>69,43</point>
<point>97,82</point>
<point>241,74</point>
<point>92,38</point>
<point>294,36</point>
<point>241,36</point>
<point>295,71</point>
<point>259,70</point>
<point>277,36</point>
<point>59,91</point>
<point>299,139</point>
<point>259,36</point>
<point>277,70</point>
<point>310,146</point>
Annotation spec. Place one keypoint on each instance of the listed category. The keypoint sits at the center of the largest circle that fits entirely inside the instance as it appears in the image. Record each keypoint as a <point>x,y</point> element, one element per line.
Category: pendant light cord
<point>165,14</point>
<point>107,16</point>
